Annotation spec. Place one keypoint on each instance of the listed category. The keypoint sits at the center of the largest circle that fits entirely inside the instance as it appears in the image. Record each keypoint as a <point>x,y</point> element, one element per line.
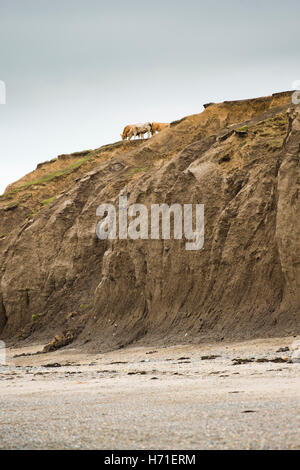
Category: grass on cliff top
<point>49,176</point>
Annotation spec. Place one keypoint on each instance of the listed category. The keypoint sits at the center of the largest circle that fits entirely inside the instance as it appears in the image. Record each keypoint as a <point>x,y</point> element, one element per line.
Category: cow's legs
<point>130,134</point>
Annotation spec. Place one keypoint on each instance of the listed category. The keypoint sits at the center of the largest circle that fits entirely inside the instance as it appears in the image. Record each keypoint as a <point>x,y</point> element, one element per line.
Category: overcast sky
<point>78,71</point>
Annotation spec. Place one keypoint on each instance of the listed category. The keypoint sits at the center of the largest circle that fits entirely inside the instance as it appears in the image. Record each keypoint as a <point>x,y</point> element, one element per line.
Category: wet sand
<point>179,397</point>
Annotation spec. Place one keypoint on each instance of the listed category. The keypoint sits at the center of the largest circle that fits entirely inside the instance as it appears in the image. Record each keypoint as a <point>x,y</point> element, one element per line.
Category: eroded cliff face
<point>239,159</point>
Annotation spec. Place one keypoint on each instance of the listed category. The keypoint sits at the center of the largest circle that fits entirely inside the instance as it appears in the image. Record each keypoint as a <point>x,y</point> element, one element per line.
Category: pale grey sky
<point>77,71</point>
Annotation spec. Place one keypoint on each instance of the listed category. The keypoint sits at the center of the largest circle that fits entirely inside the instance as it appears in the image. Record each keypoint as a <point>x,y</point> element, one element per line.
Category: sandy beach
<point>213,396</point>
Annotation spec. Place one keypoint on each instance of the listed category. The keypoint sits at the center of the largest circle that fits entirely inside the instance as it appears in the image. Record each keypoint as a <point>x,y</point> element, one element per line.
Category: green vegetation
<point>50,176</point>
<point>47,201</point>
<point>138,170</point>
<point>11,205</point>
<point>281,122</point>
<point>242,130</point>
<point>83,306</point>
<point>36,316</point>
<point>31,216</point>
<point>275,144</point>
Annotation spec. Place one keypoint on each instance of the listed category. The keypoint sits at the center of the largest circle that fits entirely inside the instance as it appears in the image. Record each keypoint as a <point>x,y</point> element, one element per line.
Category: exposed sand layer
<point>153,398</point>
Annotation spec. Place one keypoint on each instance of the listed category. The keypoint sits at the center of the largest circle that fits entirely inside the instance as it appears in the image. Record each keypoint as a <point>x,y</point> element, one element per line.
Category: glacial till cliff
<point>60,284</point>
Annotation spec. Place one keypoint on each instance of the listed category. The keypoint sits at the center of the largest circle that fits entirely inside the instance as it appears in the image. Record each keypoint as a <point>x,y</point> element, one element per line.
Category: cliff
<point>240,159</point>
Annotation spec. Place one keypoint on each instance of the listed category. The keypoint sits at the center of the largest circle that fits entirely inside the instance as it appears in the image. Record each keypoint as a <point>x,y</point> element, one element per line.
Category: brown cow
<point>159,126</point>
<point>136,130</point>
<point>126,131</point>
